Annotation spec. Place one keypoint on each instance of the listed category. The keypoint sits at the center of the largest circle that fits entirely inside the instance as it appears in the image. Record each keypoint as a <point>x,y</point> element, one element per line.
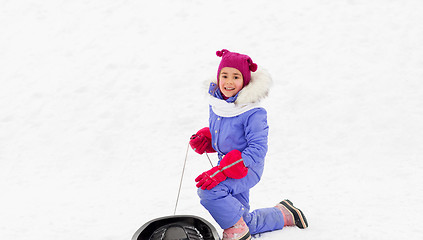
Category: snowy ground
<point>99,98</point>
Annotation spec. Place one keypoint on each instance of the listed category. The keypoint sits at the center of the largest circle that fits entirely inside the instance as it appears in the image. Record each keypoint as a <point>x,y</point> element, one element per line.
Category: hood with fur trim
<point>256,90</point>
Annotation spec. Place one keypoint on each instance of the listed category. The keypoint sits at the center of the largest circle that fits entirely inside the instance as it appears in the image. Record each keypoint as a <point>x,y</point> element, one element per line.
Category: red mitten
<point>201,141</point>
<point>210,179</point>
<point>231,166</point>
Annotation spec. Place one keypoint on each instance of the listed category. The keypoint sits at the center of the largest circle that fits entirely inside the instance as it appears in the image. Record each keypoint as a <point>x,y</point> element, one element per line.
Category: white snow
<point>99,98</point>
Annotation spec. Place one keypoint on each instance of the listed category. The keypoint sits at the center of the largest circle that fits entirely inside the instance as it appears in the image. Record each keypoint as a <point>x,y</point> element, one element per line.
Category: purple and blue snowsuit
<point>247,132</point>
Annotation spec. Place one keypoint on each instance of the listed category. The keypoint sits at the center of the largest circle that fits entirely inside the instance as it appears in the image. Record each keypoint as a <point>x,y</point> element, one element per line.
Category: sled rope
<point>182,177</point>
<point>209,159</point>
<point>180,183</point>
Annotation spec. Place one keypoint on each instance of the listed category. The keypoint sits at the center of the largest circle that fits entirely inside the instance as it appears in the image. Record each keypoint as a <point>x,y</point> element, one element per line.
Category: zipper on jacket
<point>216,134</point>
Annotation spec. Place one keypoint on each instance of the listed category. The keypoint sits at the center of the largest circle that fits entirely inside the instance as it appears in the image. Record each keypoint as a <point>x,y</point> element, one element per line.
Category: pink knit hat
<point>239,61</point>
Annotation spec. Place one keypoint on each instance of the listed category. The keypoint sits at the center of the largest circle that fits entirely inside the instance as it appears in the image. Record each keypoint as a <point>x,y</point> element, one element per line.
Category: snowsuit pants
<point>229,201</point>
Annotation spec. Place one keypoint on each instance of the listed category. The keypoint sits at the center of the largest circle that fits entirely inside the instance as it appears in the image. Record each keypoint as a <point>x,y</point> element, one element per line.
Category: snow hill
<point>99,98</point>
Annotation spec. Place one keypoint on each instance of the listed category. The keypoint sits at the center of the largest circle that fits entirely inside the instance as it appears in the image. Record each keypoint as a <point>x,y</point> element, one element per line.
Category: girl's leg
<point>227,209</point>
<point>228,201</point>
<point>264,220</point>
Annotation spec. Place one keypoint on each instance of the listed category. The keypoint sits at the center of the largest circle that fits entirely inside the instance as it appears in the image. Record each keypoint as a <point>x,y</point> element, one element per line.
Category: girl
<point>238,132</point>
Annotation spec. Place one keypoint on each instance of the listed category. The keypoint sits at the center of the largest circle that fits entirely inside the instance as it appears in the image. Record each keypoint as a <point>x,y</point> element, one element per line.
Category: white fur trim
<point>225,109</point>
<point>255,91</point>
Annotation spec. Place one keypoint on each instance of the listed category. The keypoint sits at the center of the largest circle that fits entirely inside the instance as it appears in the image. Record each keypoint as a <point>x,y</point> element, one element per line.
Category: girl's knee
<point>214,193</point>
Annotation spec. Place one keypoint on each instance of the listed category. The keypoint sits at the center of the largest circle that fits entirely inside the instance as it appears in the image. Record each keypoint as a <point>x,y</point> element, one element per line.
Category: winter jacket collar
<point>224,109</point>
<point>248,98</point>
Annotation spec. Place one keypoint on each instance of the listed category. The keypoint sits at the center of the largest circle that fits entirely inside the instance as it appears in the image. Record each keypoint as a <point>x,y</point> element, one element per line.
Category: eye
<point>224,76</point>
<point>236,77</point>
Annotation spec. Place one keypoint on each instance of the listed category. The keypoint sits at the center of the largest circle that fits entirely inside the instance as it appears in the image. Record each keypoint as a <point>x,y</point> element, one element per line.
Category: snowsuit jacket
<point>240,123</point>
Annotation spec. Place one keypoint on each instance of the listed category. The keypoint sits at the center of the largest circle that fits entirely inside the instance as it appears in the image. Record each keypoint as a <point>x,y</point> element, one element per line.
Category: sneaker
<point>239,231</point>
<point>300,219</point>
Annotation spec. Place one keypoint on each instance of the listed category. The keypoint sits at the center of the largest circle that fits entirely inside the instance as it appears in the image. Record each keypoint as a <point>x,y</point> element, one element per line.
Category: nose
<point>230,81</point>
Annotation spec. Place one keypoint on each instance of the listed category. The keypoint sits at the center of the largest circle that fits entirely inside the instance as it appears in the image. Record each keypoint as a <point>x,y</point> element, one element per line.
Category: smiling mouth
<point>229,88</point>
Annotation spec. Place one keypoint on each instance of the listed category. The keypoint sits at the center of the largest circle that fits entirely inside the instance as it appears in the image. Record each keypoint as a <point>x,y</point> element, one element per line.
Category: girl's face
<point>230,81</point>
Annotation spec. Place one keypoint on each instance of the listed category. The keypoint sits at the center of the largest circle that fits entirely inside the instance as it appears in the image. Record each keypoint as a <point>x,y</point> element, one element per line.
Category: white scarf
<point>225,109</point>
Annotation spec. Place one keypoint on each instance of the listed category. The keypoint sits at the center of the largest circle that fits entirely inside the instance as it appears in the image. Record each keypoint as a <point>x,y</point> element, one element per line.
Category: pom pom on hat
<point>220,53</point>
<point>239,61</point>
<point>253,66</point>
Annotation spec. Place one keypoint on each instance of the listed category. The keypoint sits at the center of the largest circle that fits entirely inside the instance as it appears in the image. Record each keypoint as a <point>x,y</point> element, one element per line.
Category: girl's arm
<point>256,133</point>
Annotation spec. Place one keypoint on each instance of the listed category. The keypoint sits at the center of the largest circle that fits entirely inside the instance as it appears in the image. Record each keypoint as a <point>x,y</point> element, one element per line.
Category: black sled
<point>177,227</point>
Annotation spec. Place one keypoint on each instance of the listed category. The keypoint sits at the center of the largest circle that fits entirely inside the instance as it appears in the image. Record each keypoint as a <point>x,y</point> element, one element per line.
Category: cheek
<point>240,84</point>
<point>220,83</point>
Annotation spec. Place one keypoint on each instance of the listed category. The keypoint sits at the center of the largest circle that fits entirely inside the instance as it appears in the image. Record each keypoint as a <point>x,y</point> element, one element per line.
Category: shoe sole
<point>300,219</point>
<point>247,236</point>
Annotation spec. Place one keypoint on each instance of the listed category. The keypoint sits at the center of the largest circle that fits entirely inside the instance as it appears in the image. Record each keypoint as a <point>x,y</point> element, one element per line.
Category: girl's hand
<point>231,166</point>
<point>210,179</point>
<point>201,141</point>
